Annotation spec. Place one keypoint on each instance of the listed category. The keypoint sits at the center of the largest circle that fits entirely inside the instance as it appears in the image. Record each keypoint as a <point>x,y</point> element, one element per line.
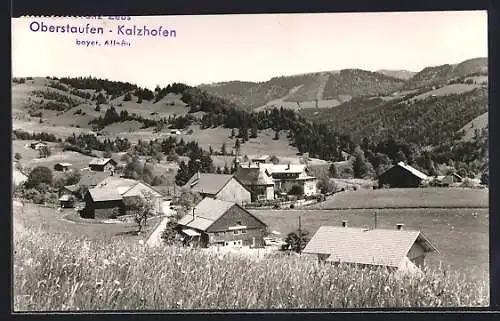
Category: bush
<point>296,190</point>
<point>39,175</point>
<point>18,156</point>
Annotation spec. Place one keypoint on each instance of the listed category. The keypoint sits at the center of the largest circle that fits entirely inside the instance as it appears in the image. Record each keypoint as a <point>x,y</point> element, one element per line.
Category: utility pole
<point>300,237</point>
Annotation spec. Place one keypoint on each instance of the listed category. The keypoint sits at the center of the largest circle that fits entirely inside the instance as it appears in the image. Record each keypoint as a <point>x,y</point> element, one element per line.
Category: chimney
<point>399,226</point>
<point>344,223</point>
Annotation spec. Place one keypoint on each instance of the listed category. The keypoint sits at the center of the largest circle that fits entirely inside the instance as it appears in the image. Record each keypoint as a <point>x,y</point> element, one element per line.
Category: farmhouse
<point>287,176</point>
<point>115,192</point>
<point>397,249</point>
<point>261,159</point>
<point>87,180</point>
<point>66,201</point>
<point>216,222</point>
<point>401,176</point>
<point>102,165</point>
<point>255,178</point>
<point>219,186</point>
<point>62,167</point>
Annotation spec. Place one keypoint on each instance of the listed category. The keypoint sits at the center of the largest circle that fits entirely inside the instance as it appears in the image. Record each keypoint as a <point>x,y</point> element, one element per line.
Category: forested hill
<point>423,128</point>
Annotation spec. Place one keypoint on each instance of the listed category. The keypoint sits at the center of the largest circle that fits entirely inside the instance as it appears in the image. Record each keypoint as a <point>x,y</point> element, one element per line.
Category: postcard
<point>251,161</point>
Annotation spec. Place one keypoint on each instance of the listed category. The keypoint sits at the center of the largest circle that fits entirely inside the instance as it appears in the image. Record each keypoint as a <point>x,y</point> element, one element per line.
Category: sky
<point>217,48</point>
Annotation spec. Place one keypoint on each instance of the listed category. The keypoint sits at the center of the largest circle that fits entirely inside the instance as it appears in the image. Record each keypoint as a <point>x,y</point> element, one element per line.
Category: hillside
<point>329,89</point>
<point>440,75</point>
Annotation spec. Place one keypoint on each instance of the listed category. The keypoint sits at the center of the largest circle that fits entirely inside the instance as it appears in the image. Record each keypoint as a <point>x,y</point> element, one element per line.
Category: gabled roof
<point>101,194</point>
<point>363,246</point>
<point>253,176</point>
<point>89,178</point>
<point>206,213</point>
<point>126,187</point>
<point>208,183</point>
<point>72,188</point>
<point>65,198</point>
<point>101,161</point>
<point>412,170</point>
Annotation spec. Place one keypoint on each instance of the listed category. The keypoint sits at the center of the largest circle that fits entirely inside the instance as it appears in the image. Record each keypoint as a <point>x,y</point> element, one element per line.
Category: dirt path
<point>155,237</point>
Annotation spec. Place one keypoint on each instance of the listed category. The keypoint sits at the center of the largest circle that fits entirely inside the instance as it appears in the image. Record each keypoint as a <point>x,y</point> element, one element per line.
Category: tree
<point>275,160</point>
<point>18,156</point>
<point>332,171</point>
<point>276,134</point>
<point>360,166</point>
<point>232,133</point>
<point>127,97</point>
<point>97,107</point>
<point>326,185</point>
<point>253,131</point>
<point>210,150</point>
<point>219,170</point>
<point>39,175</point>
<point>296,241</point>
<point>144,209</point>
<point>223,150</point>
<point>107,153</point>
<point>100,99</point>
<point>226,170</point>
<point>182,175</point>
<point>237,144</point>
<point>485,178</point>
<point>44,151</point>
<point>296,190</point>
<point>139,100</point>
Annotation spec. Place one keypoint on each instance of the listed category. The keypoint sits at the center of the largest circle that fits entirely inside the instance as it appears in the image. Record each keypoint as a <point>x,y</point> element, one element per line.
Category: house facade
<point>62,167</point>
<point>219,223</point>
<point>260,184</point>
<point>402,176</point>
<point>395,249</point>
<point>103,165</point>
<point>286,176</point>
<point>219,186</point>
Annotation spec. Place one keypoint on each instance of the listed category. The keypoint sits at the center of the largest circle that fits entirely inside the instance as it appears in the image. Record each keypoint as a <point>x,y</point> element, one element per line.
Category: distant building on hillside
<point>285,176</point>
<point>402,176</point>
<point>261,159</point>
<point>103,165</point>
<point>219,186</point>
<point>62,167</point>
<point>220,223</point>
<point>396,249</point>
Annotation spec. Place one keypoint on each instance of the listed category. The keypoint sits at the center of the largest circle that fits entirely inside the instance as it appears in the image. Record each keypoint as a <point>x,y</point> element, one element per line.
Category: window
<point>235,232</point>
<point>243,231</point>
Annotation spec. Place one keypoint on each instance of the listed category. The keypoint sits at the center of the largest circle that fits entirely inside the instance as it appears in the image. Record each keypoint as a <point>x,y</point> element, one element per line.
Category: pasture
<point>438,197</point>
<point>462,239</point>
<point>447,90</point>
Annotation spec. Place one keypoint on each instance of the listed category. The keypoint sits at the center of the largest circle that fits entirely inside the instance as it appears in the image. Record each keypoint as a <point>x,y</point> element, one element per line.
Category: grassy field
<point>462,239</point>
<point>52,273</point>
<point>68,223</point>
<point>479,122</point>
<point>447,90</point>
<point>408,198</point>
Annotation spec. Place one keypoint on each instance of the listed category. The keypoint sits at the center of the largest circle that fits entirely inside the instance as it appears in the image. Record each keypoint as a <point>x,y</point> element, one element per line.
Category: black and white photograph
<point>250,162</point>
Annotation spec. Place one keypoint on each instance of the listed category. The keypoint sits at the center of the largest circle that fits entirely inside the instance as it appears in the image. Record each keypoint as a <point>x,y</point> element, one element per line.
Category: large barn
<point>401,176</point>
<point>397,249</point>
<point>219,186</point>
<point>216,222</point>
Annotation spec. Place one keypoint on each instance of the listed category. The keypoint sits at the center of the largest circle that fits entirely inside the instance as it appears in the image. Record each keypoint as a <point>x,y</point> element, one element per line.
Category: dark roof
<point>208,183</point>
<point>366,246</point>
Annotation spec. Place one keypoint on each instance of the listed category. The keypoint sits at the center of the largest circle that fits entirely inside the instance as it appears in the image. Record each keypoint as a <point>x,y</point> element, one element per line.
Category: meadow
<point>461,238</point>
<point>408,198</point>
<point>54,273</point>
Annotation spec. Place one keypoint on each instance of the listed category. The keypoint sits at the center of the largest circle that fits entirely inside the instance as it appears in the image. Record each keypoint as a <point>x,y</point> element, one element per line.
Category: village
<point>220,217</point>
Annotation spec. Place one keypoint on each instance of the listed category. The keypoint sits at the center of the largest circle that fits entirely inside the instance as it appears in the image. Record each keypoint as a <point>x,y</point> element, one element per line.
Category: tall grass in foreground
<point>54,273</point>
